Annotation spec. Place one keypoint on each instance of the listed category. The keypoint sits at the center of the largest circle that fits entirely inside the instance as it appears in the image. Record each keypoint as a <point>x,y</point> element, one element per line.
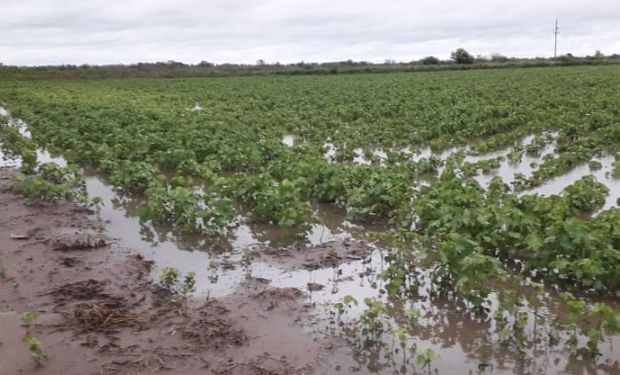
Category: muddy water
<point>209,264</point>
<point>462,343</point>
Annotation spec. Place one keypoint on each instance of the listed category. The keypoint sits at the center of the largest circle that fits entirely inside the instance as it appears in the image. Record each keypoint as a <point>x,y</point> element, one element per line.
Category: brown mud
<point>314,257</point>
<point>99,312</point>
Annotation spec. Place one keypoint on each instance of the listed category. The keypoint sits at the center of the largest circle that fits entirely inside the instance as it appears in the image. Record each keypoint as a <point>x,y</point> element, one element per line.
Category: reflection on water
<point>376,154</point>
<point>525,165</point>
<point>603,175</point>
<point>463,343</point>
<point>43,156</point>
<point>288,140</point>
<point>196,253</point>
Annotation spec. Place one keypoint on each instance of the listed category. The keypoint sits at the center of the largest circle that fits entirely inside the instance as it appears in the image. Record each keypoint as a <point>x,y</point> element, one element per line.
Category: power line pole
<point>555,39</point>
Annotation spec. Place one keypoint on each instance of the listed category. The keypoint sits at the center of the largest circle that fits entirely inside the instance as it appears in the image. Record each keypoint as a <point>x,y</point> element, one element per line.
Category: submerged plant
<point>425,358</point>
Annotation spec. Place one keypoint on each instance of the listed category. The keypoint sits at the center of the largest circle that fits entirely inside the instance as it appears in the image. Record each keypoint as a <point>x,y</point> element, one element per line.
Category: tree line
<point>460,59</point>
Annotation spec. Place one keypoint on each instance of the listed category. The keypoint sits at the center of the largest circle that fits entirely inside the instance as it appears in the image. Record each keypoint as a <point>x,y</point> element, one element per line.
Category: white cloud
<point>36,32</point>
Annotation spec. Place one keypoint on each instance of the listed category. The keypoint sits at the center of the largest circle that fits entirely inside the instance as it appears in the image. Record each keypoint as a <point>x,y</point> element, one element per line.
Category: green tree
<point>430,60</point>
<point>461,56</point>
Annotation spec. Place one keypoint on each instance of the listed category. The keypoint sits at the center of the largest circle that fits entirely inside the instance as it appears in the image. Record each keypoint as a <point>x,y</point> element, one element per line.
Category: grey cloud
<point>52,32</point>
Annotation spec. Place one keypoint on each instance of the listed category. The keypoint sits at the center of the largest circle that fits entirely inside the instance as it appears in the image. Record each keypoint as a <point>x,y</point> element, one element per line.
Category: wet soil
<point>99,312</point>
<point>314,257</point>
<point>265,298</point>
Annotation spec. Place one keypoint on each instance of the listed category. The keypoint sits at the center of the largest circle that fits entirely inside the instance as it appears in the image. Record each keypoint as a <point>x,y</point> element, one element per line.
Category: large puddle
<point>462,343</point>
<point>509,169</point>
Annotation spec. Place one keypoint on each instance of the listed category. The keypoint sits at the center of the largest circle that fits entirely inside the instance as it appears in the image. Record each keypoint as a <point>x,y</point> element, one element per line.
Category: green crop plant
<point>454,239</point>
<point>28,318</point>
<point>189,284</point>
<point>50,182</point>
<point>616,171</point>
<point>36,350</point>
<point>169,277</point>
<point>35,347</point>
<point>425,358</point>
<point>587,194</point>
<point>372,320</point>
<point>173,280</point>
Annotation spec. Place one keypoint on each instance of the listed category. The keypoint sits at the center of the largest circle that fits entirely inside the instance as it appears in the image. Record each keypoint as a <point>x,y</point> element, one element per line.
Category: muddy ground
<point>99,312</point>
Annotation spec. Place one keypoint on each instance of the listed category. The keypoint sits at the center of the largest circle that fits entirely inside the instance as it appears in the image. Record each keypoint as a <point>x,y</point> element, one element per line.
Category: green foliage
<point>375,195</point>
<point>170,279</point>
<point>425,358</point>
<point>372,319</point>
<point>15,145</point>
<point>50,183</point>
<point>36,350</point>
<point>189,284</point>
<point>196,170</point>
<point>135,177</point>
<point>430,60</point>
<point>461,56</point>
<point>347,302</point>
<point>187,210</point>
<point>272,201</point>
<point>28,318</point>
<point>586,194</point>
<point>616,171</point>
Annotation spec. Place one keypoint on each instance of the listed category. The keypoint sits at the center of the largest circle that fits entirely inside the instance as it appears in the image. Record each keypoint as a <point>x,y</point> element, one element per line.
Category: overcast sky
<point>37,32</point>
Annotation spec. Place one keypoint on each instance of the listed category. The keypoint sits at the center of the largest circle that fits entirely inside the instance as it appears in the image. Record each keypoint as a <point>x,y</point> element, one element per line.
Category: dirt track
<point>100,313</point>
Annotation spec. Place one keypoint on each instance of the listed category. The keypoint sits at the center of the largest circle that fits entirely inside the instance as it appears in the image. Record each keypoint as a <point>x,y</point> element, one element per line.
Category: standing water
<point>461,342</point>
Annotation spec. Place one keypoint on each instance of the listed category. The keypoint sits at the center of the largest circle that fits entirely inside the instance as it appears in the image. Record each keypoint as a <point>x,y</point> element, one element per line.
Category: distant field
<point>446,163</point>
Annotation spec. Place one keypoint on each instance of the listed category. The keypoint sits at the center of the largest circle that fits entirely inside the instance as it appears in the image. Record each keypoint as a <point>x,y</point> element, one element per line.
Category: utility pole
<point>555,39</point>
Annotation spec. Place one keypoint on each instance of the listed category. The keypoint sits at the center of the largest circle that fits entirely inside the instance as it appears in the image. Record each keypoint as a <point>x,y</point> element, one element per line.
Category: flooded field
<point>463,235</point>
<point>459,341</point>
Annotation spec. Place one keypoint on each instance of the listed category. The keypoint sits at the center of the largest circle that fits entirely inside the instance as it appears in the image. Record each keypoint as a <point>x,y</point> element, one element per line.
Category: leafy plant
<point>171,279</point>
<point>36,350</point>
<point>189,284</point>
<point>425,358</point>
<point>50,183</point>
<point>28,318</point>
<point>586,194</point>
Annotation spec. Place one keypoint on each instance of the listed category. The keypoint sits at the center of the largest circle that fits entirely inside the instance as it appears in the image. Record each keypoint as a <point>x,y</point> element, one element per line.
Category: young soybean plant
<point>170,279</point>
<point>36,350</point>
<point>34,345</point>
<point>189,284</point>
